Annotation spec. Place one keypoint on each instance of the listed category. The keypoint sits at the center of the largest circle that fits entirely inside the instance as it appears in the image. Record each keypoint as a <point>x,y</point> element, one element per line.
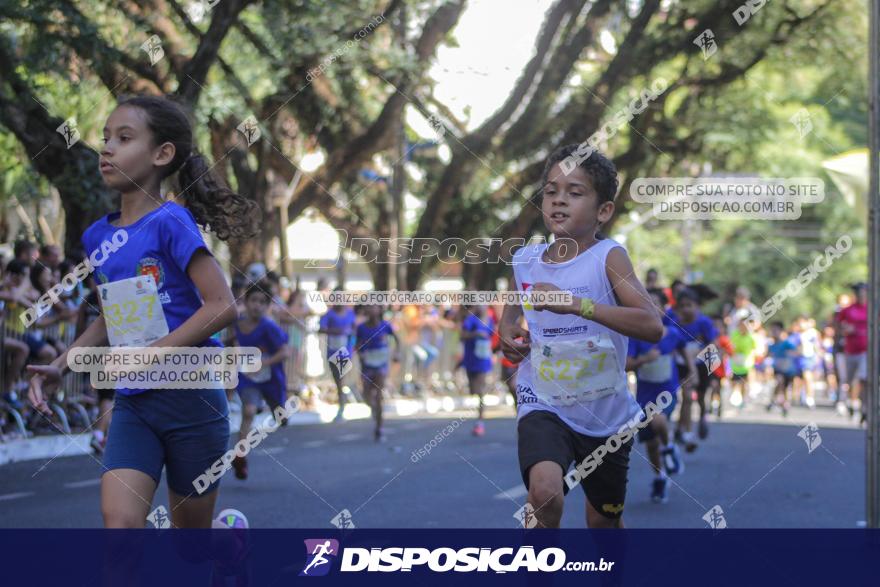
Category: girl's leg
<point>477,384</point>
<point>248,412</point>
<point>661,428</point>
<point>653,448</point>
<point>337,379</point>
<point>195,511</point>
<point>378,386</point>
<point>126,498</point>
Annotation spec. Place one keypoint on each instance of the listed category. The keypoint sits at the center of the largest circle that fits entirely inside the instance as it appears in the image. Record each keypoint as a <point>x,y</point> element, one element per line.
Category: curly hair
<point>214,206</point>
<point>597,166</point>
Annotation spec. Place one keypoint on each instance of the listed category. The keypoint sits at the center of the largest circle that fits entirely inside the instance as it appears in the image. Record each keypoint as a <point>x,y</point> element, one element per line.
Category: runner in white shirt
<point>572,390</point>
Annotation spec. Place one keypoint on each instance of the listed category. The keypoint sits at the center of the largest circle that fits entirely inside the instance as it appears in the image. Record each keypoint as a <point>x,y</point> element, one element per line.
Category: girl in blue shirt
<point>338,325</point>
<point>476,333</point>
<point>147,139</point>
<point>372,346</point>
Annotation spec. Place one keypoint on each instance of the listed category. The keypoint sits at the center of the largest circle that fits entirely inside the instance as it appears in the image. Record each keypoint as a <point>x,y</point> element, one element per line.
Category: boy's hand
<point>556,308</point>
<point>515,342</point>
<point>651,355</point>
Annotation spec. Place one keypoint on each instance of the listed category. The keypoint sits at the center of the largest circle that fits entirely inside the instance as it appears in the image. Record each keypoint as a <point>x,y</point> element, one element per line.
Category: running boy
<point>656,373</point>
<point>372,346</point>
<point>782,353</point>
<point>476,333</point>
<point>700,332</point>
<point>256,329</point>
<point>741,361</point>
<point>573,393</point>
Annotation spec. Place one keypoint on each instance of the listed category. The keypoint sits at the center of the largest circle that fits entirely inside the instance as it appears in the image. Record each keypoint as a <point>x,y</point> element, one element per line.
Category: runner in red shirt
<point>852,322</point>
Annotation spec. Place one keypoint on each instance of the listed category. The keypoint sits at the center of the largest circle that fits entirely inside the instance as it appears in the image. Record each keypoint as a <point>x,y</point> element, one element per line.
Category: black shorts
<point>738,377</point>
<point>787,379</point>
<point>703,377</point>
<point>542,436</point>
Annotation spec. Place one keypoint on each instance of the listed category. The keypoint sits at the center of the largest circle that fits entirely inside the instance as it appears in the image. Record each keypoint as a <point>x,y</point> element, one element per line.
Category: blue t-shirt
<point>698,333</point>
<point>649,382</point>
<point>371,338</point>
<point>478,351</point>
<point>161,244</point>
<point>269,338</point>
<point>782,354</point>
<point>345,322</point>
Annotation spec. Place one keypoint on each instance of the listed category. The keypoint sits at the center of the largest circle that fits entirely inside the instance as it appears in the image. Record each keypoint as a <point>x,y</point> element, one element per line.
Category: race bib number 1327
<point>132,311</point>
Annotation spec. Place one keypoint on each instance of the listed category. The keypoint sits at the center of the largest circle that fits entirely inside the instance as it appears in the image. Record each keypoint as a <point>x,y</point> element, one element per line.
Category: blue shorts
<point>253,395</point>
<point>647,433</point>
<point>183,430</point>
<point>374,372</point>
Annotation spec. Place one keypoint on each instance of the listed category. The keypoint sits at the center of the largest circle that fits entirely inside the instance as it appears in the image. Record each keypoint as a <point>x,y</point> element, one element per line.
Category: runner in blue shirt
<point>147,139</point>
<point>372,347</point>
<point>256,329</point>
<point>338,325</point>
<point>656,372</point>
<point>700,333</point>
<point>476,333</point>
<point>783,354</point>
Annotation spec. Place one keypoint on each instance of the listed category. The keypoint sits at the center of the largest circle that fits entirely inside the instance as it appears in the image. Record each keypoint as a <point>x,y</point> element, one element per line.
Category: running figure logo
<point>341,359</point>
<point>711,357</point>
<point>159,518</point>
<point>343,520</point>
<point>69,131</point>
<point>153,47</point>
<point>810,434</point>
<point>320,553</point>
<point>250,130</point>
<point>715,518</point>
<point>706,42</point>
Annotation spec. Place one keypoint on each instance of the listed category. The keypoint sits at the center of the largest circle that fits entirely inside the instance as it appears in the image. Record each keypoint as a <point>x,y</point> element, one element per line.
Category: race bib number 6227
<point>565,372</point>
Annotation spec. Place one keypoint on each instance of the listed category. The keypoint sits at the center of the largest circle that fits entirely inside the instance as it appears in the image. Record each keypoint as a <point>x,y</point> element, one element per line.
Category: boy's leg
<point>605,487</point>
<point>653,449</point>
<point>545,450</point>
<point>546,493</point>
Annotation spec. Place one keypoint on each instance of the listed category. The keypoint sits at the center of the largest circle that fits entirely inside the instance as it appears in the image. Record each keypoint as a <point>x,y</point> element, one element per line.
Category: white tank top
<point>579,372</point>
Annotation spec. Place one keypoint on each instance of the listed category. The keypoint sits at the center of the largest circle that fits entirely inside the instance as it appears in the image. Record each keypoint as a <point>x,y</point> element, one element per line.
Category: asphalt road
<point>755,467</point>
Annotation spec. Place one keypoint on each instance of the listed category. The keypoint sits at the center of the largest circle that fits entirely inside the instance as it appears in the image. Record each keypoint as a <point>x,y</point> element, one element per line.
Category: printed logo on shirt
<point>164,298</point>
<point>151,266</point>
<point>525,395</point>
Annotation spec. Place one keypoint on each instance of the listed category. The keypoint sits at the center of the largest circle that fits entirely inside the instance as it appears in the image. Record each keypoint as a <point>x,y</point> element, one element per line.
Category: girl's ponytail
<point>213,204</point>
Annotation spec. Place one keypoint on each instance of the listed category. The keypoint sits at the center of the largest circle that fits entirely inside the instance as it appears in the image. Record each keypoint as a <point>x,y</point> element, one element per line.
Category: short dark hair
<point>687,294</point>
<point>261,288</point>
<point>21,246</point>
<point>16,267</point>
<point>656,291</point>
<point>597,166</point>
